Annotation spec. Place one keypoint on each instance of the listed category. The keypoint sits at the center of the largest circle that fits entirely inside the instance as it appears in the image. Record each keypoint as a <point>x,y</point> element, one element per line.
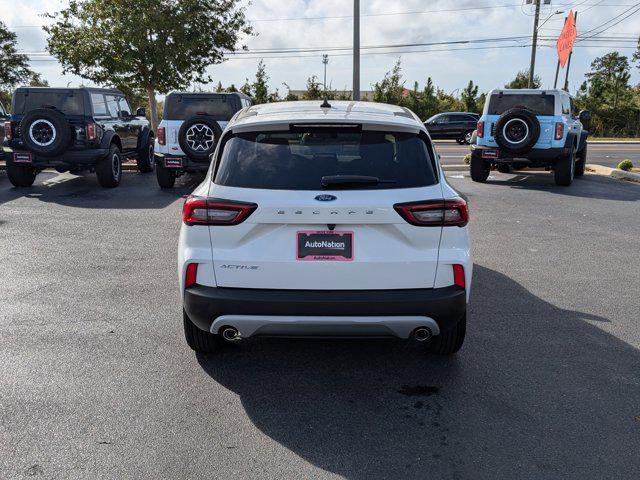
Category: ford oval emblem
<point>326,198</point>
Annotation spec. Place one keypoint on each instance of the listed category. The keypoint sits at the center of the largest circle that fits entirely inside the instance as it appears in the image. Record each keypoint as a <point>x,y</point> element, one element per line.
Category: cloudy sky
<point>304,24</point>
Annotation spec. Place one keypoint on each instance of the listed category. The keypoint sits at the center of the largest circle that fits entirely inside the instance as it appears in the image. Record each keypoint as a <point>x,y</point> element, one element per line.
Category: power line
<point>636,7</point>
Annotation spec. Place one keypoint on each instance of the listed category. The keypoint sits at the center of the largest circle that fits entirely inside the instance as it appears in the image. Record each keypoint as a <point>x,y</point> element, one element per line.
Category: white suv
<point>190,129</point>
<point>317,221</point>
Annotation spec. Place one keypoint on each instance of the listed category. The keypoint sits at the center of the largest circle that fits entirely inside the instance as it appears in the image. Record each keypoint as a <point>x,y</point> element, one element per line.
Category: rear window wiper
<point>351,181</point>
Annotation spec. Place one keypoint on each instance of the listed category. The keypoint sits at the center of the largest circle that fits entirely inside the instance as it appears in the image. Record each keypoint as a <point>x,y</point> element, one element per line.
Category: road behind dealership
<point>607,154</point>
<point>97,381</point>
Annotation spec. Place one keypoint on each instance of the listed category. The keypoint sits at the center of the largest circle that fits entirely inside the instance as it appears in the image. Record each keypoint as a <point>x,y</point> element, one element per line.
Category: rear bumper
<point>181,163</point>
<point>534,155</point>
<point>70,157</point>
<point>325,313</point>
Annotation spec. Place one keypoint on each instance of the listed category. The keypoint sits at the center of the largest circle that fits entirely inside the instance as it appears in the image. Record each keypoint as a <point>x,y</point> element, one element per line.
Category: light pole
<point>356,49</point>
<point>534,43</point>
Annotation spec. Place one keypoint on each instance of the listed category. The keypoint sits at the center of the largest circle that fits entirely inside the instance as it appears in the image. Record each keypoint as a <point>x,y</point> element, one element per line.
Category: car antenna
<point>325,61</point>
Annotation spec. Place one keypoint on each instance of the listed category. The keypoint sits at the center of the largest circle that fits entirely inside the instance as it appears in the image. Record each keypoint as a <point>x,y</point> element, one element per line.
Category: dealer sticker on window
<point>324,245</point>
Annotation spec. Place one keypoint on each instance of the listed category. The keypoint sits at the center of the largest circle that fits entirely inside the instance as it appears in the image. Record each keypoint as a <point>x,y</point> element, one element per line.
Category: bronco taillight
<point>8,130</point>
<point>92,131</point>
<point>452,212</point>
<point>480,129</point>
<point>211,211</point>
<point>559,131</point>
<point>162,136</point>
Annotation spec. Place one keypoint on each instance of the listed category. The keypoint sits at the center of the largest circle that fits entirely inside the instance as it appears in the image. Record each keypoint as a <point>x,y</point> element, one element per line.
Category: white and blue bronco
<point>192,123</point>
<point>530,128</point>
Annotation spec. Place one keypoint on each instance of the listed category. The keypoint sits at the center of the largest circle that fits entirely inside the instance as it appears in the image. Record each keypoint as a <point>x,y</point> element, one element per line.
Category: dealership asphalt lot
<point>96,380</point>
<point>607,154</point>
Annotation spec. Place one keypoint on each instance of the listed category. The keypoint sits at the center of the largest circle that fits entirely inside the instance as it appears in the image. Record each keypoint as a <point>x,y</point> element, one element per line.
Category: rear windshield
<point>69,103</point>
<point>299,160</point>
<point>538,104</point>
<point>181,107</point>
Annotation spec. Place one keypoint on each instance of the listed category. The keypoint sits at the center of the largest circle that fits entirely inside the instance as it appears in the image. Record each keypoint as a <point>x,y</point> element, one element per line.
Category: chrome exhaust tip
<point>422,334</point>
<point>230,334</point>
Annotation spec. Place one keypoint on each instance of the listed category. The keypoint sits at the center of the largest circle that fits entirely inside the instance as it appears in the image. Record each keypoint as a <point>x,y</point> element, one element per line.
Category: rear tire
<point>479,168</point>
<point>109,168</point>
<point>581,163</point>
<point>564,169</point>
<point>467,137</point>
<point>199,340</point>
<point>449,342</point>
<point>20,175</point>
<point>166,178</point>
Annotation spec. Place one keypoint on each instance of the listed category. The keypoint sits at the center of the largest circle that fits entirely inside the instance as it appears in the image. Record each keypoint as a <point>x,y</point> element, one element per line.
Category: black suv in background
<point>456,126</point>
<point>188,134</point>
<point>75,129</point>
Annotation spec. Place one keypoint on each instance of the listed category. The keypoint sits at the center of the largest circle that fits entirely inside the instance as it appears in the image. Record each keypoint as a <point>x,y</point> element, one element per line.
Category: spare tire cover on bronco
<point>517,130</point>
<point>198,136</point>
<point>45,131</point>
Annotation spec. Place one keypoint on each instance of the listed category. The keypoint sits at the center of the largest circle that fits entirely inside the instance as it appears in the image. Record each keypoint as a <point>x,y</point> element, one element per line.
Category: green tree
<point>151,45</point>
<point>231,88</point>
<point>609,78</point>
<point>290,97</point>
<point>522,80</point>
<point>260,87</point>
<point>314,89</point>
<point>246,88</point>
<point>469,97</point>
<point>219,87</point>
<point>389,90</point>
<point>14,67</point>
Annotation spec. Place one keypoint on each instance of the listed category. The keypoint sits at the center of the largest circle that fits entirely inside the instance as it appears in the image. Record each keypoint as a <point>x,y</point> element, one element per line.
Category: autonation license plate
<point>171,162</point>
<point>325,245</point>
<point>22,157</point>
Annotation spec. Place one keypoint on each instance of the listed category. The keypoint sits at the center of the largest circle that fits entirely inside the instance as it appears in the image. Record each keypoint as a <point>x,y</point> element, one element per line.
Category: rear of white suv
<point>325,222</point>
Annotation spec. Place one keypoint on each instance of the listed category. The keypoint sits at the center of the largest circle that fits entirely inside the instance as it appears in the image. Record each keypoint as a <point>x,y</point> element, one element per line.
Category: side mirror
<point>141,112</point>
<point>585,117</point>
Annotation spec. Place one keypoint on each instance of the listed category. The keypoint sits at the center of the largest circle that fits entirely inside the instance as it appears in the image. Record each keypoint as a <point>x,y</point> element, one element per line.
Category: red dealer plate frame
<point>318,254</point>
<point>172,162</point>
<point>22,157</point>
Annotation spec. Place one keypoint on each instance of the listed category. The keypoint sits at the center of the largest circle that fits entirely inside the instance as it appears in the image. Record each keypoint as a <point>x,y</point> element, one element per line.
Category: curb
<point>455,168</point>
<point>613,173</point>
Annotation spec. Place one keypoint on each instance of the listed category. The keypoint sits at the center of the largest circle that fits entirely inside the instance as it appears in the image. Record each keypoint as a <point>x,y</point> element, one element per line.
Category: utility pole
<point>534,43</point>
<point>356,49</point>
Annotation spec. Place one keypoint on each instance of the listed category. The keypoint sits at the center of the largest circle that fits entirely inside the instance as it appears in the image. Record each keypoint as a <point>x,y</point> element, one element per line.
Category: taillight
<point>435,213</point>
<point>191,275</point>
<point>162,137</point>
<point>8,131</point>
<point>212,211</point>
<point>559,131</point>
<point>480,129</point>
<point>458,276</point>
<point>92,131</point>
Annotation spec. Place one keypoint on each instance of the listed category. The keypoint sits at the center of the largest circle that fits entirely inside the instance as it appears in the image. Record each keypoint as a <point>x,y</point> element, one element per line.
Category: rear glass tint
<point>538,104</point>
<point>299,160</point>
<point>70,103</point>
<point>181,107</point>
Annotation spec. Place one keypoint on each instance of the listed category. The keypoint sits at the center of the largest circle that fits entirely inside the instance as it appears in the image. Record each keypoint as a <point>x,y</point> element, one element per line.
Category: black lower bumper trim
<point>70,157</point>
<point>204,304</point>
<point>188,164</point>
<point>533,155</point>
